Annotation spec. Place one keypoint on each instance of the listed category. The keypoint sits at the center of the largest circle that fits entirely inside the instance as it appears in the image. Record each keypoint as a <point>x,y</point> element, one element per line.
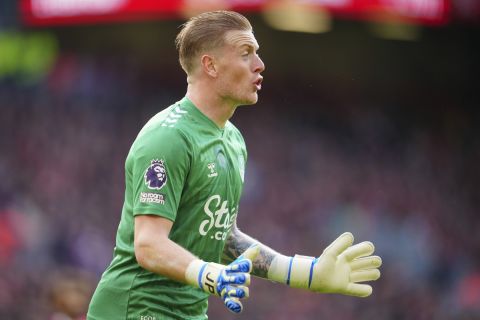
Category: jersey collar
<point>199,115</point>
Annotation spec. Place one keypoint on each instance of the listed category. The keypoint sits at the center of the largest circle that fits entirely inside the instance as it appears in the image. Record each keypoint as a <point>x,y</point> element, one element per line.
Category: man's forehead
<point>241,38</point>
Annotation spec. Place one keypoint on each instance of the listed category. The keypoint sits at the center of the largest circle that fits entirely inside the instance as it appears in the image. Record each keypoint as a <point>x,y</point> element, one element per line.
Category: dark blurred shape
<point>9,14</point>
<point>68,293</point>
<point>466,10</point>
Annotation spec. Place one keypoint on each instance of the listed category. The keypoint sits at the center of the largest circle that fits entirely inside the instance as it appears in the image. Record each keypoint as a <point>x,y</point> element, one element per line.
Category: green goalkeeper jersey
<point>182,167</point>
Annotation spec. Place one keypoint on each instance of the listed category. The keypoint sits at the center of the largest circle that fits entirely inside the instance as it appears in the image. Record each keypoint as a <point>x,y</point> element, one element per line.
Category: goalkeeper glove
<point>338,270</point>
<point>228,282</point>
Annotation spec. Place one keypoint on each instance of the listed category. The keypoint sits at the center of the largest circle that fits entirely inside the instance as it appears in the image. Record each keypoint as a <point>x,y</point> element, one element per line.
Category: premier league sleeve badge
<point>156,175</point>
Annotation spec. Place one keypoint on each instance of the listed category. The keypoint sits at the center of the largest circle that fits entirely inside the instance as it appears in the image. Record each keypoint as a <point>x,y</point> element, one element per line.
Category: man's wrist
<point>194,271</point>
<point>278,270</point>
<point>204,275</point>
<point>301,271</point>
<point>293,271</point>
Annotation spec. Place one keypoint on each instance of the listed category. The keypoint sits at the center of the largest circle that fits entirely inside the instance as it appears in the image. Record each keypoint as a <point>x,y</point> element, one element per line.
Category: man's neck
<point>211,105</point>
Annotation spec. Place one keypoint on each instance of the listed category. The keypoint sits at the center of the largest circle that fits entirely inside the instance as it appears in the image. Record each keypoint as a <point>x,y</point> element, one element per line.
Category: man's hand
<point>342,266</point>
<point>339,269</point>
<point>229,282</point>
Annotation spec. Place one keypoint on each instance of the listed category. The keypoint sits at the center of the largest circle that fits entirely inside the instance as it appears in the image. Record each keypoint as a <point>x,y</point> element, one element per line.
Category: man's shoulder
<point>170,117</point>
<point>163,130</point>
<point>170,122</point>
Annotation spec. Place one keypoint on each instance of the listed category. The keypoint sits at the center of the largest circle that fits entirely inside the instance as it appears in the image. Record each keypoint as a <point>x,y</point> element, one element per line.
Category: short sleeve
<point>161,162</point>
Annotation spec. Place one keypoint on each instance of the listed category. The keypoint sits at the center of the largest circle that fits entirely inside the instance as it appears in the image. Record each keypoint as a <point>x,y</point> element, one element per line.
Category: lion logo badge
<point>156,175</point>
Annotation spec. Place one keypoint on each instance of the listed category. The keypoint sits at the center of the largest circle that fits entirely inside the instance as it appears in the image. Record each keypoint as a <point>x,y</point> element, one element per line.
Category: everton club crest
<point>156,175</point>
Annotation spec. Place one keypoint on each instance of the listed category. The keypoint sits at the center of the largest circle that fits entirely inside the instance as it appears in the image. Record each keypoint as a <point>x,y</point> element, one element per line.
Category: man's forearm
<point>238,242</point>
<point>158,254</point>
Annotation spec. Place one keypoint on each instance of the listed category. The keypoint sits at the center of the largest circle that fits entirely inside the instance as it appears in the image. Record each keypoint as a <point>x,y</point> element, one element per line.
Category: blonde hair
<point>206,31</point>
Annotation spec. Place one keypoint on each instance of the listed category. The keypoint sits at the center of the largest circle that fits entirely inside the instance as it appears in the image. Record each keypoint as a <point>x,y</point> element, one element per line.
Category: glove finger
<point>251,252</point>
<point>236,278</point>
<point>244,262</point>
<point>358,290</point>
<point>362,249</point>
<point>241,292</point>
<point>242,265</point>
<point>233,304</point>
<point>365,275</point>
<point>340,244</point>
<point>366,263</point>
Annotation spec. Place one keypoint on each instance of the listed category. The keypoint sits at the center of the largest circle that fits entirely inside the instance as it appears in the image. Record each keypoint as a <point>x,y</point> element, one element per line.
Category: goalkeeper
<point>177,241</point>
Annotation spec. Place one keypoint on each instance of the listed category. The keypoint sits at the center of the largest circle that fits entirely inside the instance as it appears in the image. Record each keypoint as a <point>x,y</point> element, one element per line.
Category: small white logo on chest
<point>211,167</point>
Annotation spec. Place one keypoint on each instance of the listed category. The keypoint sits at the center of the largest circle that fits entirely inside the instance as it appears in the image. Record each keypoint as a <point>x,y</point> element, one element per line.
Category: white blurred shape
<point>63,8</point>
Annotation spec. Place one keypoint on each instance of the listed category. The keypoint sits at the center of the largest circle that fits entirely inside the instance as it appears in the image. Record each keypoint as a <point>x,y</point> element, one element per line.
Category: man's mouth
<point>258,84</point>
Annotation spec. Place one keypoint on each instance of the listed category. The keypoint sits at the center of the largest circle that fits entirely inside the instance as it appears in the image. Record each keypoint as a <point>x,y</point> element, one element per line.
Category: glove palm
<point>342,265</point>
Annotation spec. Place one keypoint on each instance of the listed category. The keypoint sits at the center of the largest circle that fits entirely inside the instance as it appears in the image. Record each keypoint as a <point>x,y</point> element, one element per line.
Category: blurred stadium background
<point>368,122</point>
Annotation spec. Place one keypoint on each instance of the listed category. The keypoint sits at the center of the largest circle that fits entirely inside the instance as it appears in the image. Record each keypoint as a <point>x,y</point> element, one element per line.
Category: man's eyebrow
<point>250,46</point>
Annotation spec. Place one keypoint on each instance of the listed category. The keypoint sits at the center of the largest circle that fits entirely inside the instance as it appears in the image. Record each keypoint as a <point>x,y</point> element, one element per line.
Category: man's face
<point>239,68</point>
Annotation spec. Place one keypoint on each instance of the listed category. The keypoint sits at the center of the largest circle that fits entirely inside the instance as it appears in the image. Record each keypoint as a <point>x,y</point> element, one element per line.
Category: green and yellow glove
<point>339,269</point>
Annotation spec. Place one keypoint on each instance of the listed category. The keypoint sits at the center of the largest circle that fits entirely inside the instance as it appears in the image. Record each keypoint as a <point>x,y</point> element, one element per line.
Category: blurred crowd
<point>405,178</point>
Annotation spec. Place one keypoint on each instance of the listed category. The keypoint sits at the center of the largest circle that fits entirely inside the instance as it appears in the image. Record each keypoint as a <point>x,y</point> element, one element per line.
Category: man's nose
<point>259,65</point>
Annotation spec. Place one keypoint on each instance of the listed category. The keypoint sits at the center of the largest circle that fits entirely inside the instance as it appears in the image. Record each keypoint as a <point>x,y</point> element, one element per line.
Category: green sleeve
<point>161,162</point>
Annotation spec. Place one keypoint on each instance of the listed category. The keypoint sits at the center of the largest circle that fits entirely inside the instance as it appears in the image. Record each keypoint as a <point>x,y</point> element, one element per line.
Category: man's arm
<point>156,252</point>
<point>238,242</point>
<point>341,268</point>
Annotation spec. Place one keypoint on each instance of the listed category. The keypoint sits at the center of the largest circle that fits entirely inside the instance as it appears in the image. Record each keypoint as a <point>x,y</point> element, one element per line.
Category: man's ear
<point>208,65</point>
